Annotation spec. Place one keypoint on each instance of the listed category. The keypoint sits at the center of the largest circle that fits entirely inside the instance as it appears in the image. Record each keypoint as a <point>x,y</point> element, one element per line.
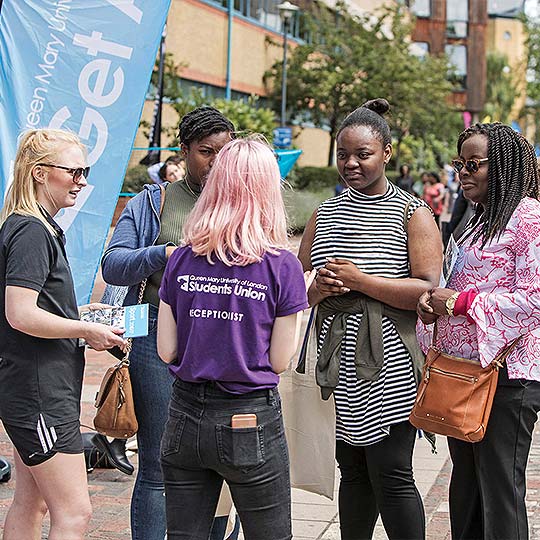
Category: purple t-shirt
<point>225,315</point>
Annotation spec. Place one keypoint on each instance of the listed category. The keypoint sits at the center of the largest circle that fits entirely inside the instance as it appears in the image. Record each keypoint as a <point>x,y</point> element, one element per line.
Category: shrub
<point>301,205</point>
<point>315,178</point>
<point>135,179</point>
<point>392,175</point>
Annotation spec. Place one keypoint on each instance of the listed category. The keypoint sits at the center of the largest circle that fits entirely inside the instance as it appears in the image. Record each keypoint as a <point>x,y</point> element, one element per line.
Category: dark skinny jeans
<point>200,450</point>
<point>379,479</point>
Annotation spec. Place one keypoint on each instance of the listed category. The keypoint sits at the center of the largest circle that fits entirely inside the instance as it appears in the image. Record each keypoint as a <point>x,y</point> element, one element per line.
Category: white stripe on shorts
<point>47,437</point>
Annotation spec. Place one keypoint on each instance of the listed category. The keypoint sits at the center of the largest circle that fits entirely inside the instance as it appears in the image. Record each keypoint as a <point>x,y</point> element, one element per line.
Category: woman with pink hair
<point>231,303</point>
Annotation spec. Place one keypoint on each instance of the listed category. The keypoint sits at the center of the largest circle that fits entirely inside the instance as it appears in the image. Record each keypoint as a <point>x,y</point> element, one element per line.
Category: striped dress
<point>369,231</point>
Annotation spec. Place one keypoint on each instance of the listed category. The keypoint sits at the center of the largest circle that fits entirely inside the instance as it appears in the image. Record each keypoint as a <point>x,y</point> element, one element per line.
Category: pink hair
<point>240,214</point>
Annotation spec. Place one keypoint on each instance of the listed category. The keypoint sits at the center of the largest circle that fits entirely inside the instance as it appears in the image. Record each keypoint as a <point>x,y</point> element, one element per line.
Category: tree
<point>532,106</point>
<point>501,91</point>
<point>353,59</point>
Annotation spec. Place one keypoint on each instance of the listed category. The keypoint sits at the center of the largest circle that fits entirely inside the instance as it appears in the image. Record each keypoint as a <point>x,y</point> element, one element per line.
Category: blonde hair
<point>240,214</point>
<point>35,146</point>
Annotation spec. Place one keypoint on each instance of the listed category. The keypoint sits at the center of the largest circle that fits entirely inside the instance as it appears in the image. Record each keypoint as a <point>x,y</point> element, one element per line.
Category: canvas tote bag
<point>310,423</point>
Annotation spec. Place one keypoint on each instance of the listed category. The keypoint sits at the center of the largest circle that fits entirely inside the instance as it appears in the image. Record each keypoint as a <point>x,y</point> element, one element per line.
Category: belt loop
<point>270,397</point>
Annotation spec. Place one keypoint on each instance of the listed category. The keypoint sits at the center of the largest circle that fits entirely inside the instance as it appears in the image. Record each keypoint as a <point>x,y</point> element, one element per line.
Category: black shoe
<point>115,451</point>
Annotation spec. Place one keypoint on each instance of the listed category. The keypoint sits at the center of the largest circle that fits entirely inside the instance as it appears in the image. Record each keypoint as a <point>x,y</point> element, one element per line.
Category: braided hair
<point>202,122</point>
<point>370,114</point>
<point>512,175</point>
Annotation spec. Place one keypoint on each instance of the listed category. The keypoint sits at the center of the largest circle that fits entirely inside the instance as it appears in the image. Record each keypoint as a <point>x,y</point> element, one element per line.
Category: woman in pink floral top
<point>492,298</point>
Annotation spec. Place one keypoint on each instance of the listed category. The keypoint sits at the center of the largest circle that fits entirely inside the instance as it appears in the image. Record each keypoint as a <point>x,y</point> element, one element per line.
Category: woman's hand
<point>328,284</point>
<point>432,304</point>
<point>93,307</point>
<point>344,271</point>
<point>438,298</point>
<point>102,337</point>
<point>424,309</point>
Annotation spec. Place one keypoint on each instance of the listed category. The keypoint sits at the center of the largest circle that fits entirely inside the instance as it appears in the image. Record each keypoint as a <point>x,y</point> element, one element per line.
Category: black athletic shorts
<point>37,445</point>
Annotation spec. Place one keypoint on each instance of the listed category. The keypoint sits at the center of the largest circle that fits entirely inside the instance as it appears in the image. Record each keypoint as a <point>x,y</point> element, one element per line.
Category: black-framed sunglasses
<point>472,165</point>
<point>77,173</point>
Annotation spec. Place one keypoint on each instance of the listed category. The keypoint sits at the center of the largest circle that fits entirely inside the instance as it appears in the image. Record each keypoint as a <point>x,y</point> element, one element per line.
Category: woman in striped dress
<point>376,249</point>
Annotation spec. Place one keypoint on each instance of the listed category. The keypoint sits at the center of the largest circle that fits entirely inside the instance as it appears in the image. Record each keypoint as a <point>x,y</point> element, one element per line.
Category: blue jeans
<point>152,387</point>
<point>200,449</point>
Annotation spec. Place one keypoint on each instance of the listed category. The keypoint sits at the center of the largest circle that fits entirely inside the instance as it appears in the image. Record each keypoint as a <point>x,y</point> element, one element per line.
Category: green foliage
<point>355,58</point>
<point>314,178</point>
<point>171,76</point>
<point>301,205</point>
<point>501,91</point>
<point>532,107</point>
<point>248,116</point>
<point>135,179</point>
<point>392,175</point>
<point>426,155</point>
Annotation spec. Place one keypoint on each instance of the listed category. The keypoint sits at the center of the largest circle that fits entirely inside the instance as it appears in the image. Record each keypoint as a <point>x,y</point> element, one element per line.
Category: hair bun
<point>378,105</point>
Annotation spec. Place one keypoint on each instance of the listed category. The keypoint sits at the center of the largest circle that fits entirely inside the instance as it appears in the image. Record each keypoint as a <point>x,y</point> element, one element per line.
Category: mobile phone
<point>239,421</point>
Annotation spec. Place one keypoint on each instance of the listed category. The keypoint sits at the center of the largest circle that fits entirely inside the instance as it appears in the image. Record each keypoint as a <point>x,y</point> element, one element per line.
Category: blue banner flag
<point>286,160</point>
<point>82,65</point>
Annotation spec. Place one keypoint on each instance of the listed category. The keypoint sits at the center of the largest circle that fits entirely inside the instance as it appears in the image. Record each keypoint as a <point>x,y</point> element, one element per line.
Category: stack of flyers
<point>133,319</point>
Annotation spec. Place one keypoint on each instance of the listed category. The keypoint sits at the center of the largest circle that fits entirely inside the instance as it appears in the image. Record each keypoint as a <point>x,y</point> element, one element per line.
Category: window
<point>419,49</point>
<point>457,10</point>
<point>264,12</point>
<point>457,56</point>
<point>457,15</point>
<point>420,8</point>
<point>456,29</point>
<point>505,7</point>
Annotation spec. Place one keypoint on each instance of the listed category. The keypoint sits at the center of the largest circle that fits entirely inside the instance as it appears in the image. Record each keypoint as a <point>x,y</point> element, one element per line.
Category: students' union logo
<point>184,282</point>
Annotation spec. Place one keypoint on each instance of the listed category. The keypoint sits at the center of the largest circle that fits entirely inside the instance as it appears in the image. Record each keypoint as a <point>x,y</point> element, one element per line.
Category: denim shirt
<point>131,255</point>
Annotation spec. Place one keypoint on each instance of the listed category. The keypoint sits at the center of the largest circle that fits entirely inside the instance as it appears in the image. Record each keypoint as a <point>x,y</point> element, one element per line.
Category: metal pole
<point>229,49</point>
<point>284,77</point>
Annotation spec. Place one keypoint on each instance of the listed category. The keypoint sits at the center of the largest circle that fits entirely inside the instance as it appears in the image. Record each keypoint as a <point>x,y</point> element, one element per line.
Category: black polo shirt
<point>37,375</point>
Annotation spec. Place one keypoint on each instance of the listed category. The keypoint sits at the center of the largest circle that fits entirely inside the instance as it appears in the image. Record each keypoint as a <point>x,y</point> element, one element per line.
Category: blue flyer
<point>133,319</point>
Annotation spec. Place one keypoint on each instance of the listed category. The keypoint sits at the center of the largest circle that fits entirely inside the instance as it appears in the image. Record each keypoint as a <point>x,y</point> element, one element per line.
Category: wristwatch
<point>450,303</point>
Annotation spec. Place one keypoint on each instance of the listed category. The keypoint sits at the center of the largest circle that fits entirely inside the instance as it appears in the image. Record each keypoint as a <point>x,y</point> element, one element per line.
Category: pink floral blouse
<point>506,277</point>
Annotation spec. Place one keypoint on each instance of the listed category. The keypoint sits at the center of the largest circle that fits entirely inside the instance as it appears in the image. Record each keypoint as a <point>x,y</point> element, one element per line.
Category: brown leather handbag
<point>115,415</point>
<point>455,394</point>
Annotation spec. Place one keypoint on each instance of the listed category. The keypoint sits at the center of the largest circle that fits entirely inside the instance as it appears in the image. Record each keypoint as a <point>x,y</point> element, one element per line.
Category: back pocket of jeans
<point>172,435</point>
<point>241,448</point>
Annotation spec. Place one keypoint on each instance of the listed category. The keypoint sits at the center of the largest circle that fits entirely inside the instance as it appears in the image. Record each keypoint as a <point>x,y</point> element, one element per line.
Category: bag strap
<point>301,366</point>
<point>405,214</point>
<point>125,360</point>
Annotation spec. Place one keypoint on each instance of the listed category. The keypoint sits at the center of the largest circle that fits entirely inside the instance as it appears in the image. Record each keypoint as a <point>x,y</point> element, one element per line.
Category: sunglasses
<point>76,173</point>
<point>472,165</point>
